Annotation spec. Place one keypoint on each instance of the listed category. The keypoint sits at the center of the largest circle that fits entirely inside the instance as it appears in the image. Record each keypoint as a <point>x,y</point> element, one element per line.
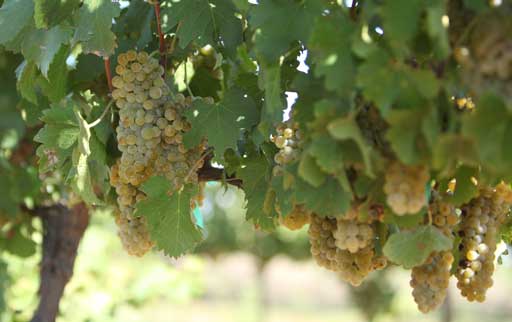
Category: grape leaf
<point>272,22</point>
<point>401,20</point>
<point>378,80</point>
<point>26,75</point>
<point>330,47</point>
<point>404,133</point>
<point>412,248</point>
<point>14,16</point>
<point>256,178</point>
<point>490,128</point>
<point>48,13</point>
<point>20,245</point>
<point>310,171</point>
<point>330,199</point>
<point>270,81</point>
<point>169,217</point>
<point>437,32</point>
<point>328,153</point>
<point>41,46</point>
<point>207,22</point>
<point>55,86</point>
<point>221,122</point>
<point>465,188</point>
<point>94,20</point>
<point>347,129</point>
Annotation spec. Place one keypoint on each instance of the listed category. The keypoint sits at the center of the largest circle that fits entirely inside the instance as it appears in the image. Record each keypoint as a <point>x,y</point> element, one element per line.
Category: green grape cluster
<point>150,138</point>
<point>430,280</point>
<point>481,218</point>
<point>487,57</point>
<point>352,235</point>
<point>352,267</point>
<point>296,219</point>
<point>287,141</point>
<point>405,188</point>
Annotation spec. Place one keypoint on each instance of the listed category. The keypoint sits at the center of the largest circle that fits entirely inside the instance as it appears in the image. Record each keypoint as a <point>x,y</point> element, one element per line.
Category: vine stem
<point>161,39</point>
<point>108,73</point>
<point>196,165</point>
<point>353,12</point>
<point>99,119</point>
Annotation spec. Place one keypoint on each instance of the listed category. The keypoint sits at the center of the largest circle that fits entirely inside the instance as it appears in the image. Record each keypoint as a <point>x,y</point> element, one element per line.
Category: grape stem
<point>173,42</point>
<point>108,73</point>
<point>196,165</point>
<point>99,119</point>
<point>353,8</point>
<point>161,39</point>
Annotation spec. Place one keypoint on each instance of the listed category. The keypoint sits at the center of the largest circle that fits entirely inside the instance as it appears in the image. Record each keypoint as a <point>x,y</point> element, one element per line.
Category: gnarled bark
<point>63,229</point>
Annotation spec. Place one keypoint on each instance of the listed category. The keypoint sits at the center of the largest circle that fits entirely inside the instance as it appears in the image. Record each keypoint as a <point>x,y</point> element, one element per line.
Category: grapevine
<point>383,138</point>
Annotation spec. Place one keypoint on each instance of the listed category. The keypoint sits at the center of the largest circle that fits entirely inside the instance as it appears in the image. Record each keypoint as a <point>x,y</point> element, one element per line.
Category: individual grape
<point>481,219</point>
<point>296,219</point>
<point>405,188</point>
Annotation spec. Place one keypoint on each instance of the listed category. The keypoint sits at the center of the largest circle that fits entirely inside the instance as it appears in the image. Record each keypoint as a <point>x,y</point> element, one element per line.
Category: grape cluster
<point>481,218</point>
<point>352,267</point>
<point>487,57</point>
<point>405,188</point>
<point>429,281</point>
<point>150,138</point>
<point>287,141</point>
<point>352,236</point>
<point>296,219</point>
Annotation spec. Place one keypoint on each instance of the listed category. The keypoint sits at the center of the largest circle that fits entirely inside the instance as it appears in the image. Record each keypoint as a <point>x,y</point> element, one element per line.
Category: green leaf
<point>330,199</point>
<point>347,129</point>
<point>221,123</point>
<point>272,22</point>
<point>424,81</point>
<point>207,22</point>
<point>270,81</point>
<point>14,16</point>
<point>412,248</point>
<point>401,19</point>
<point>94,20</point>
<point>41,46</point>
<point>169,218</point>
<point>465,188</point>
<point>437,31</point>
<point>330,48</point>
<point>20,245</point>
<point>310,171</point>
<point>327,152</point>
<point>55,87</point>
<point>48,13</point>
<point>379,80</point>
<point>58,136</point>
<point>26,74</point>
<point>489,127</point>
<point>404,133</point>
<point>256,178</point>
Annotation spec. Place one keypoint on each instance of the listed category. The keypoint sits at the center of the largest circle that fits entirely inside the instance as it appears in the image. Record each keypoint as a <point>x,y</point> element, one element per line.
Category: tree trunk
<point>63,229</point>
